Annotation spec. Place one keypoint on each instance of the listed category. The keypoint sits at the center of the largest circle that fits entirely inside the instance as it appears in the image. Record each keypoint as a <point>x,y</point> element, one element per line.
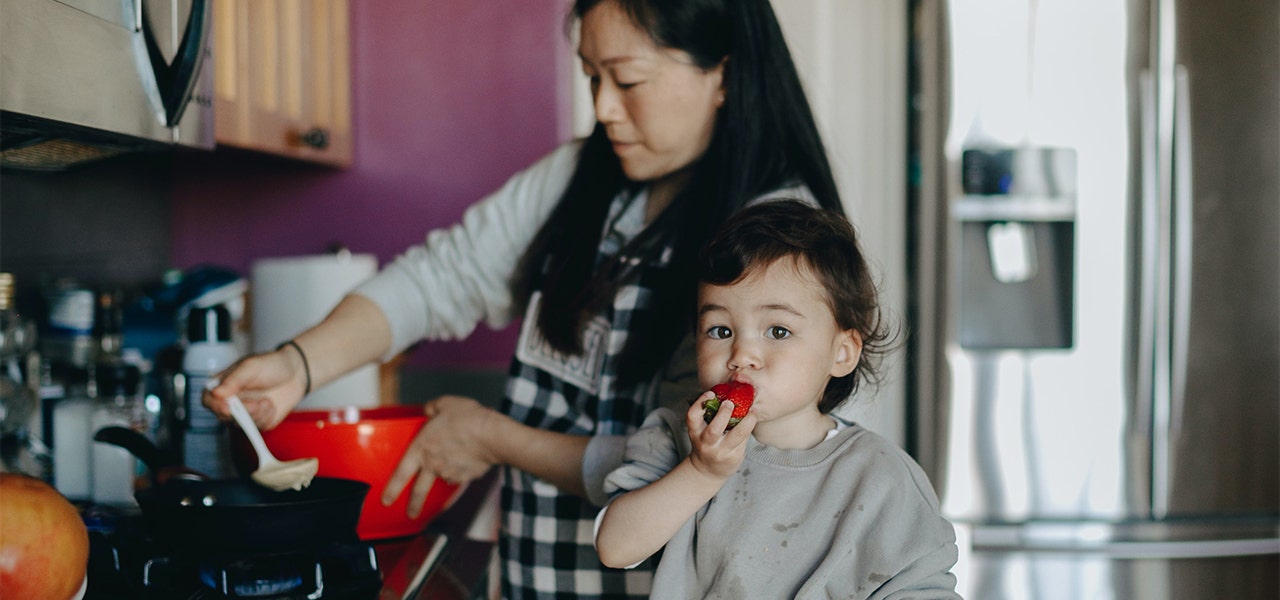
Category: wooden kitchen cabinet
<point>282,78</point>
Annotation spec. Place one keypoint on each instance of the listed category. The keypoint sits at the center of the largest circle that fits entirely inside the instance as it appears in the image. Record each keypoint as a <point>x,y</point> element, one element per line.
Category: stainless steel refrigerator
<point>1094,349</point>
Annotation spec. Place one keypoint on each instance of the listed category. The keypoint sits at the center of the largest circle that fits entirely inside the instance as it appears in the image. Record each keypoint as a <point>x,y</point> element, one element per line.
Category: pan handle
<point>159,463</point>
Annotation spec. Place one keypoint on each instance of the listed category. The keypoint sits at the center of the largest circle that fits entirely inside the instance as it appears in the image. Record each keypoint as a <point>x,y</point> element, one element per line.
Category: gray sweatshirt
<point>853,517</point>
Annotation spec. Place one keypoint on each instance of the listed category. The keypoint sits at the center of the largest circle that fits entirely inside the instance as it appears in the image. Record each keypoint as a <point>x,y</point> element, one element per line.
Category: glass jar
<point>115,470</point>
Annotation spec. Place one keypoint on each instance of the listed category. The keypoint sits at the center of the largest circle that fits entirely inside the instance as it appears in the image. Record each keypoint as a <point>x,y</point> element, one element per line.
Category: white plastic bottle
<point>113,468</point>
<point>205,446</point>
<point>72,445</point>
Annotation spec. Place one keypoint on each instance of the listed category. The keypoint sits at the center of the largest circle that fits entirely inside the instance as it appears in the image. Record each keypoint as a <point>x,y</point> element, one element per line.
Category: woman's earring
<point>720,100</point>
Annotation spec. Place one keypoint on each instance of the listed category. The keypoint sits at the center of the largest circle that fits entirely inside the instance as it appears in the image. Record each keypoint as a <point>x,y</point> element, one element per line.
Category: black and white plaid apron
<point>546,538</point>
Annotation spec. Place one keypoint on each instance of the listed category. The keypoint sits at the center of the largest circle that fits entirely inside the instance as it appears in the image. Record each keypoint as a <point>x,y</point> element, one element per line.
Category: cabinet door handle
<point>316,137</point>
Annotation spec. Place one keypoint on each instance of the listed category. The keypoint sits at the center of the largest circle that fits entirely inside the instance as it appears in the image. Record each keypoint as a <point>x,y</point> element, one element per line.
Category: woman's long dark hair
<point>765,138</point>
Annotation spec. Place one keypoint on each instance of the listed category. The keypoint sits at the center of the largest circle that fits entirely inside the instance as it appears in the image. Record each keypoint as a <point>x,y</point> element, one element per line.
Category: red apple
<point>44,545</point>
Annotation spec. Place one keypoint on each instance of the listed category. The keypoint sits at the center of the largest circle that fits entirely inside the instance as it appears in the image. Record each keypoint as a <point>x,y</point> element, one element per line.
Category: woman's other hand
<point>269,385</point>
<point>450,446</point>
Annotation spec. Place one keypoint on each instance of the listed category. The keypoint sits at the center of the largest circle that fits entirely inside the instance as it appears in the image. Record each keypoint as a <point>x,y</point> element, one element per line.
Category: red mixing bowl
<point>361,444</point>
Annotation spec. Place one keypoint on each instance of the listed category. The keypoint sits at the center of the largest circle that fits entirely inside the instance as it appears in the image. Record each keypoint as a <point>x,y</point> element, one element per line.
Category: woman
<point>699,110</point>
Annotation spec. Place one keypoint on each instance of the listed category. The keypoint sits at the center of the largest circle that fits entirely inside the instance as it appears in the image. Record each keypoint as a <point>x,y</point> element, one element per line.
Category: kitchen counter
<point>455,564</point>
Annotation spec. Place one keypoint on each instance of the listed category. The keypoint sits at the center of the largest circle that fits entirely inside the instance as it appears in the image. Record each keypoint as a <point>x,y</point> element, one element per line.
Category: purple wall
<point>449,99</point>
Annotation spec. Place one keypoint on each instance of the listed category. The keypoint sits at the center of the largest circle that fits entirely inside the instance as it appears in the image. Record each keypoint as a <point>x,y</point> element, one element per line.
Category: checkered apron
<point>546,539</point>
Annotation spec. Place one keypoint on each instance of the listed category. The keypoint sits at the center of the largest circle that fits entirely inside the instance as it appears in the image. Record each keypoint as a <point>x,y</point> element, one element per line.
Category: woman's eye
<point>624,85</point>
<point>777,332</point>
<point>719,332</point>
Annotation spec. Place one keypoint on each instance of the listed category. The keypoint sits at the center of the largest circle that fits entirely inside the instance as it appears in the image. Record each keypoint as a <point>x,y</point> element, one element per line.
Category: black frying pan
<point>230,515</point>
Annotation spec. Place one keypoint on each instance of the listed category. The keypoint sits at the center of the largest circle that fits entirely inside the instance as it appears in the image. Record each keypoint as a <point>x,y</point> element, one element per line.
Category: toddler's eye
<point>777,332</point>
<point>719,332</point>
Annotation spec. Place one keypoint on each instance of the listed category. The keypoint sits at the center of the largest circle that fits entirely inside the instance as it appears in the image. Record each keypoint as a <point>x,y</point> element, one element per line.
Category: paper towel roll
<point>290,294</point>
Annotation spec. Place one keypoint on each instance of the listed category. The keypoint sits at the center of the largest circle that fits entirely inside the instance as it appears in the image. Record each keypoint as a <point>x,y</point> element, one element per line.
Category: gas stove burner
<point>338,571</point>
<point>262,578</point>
<point>127,563</point>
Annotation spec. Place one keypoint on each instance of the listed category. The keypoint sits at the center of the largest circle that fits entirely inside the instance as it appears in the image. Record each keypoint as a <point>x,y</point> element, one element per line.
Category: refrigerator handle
<point>1162,380</point>
<point>1149,215</point>
<point>1182,239</point>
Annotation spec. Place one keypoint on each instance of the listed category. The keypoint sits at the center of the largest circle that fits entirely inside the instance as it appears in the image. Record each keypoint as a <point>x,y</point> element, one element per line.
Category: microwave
<point>86,79</point>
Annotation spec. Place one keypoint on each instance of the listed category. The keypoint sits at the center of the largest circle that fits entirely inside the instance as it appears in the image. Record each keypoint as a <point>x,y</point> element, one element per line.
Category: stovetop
<point>126,562</point>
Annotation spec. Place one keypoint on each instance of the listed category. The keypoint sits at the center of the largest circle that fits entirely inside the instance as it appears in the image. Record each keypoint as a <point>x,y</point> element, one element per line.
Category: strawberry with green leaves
<point>740,394</point>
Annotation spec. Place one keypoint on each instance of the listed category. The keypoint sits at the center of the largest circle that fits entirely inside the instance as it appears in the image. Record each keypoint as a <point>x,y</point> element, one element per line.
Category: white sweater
<point>461,275</point>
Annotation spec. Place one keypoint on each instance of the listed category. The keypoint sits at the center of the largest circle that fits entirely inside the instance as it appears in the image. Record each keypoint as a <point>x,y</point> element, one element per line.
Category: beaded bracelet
<point>306,367</point>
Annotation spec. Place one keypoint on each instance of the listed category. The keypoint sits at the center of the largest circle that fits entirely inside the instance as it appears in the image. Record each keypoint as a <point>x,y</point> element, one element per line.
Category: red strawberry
<point>740,394</point>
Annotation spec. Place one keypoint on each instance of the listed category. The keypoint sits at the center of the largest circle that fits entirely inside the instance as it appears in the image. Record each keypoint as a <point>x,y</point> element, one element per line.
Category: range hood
<point>82,80</point>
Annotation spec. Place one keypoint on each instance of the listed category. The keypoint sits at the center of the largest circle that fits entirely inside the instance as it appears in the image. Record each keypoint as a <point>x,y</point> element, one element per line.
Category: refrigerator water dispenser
<point>1017,244</point>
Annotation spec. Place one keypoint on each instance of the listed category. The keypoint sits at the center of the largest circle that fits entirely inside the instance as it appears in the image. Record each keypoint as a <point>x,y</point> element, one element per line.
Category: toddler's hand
<point>716,452</point>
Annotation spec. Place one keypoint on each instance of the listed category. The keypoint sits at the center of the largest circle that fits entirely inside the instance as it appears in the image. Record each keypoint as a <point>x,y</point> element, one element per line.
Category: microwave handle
<point>175,81</point>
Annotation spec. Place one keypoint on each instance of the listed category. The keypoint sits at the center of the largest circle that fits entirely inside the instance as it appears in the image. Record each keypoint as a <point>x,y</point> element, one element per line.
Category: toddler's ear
<point>848,353</point>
